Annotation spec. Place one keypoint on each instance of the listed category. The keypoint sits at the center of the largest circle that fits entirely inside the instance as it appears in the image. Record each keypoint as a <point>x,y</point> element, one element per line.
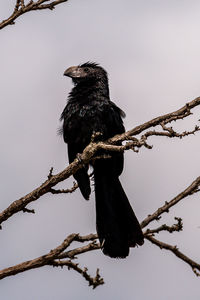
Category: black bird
<point>89,109</point>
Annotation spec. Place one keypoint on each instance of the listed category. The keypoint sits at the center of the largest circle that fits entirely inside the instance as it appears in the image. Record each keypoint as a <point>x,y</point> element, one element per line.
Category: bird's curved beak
<point>73,72</point>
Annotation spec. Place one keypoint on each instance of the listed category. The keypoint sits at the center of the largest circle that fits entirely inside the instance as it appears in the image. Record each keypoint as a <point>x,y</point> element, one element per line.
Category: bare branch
<point>32,211</point>
<point>40,261</point>
<point>60,256</point>
<point>181,113</point>
<point>170,132</point>
<point>165,208</point>
<point>75,186</point>
<point>93,245</point>
<point>18,2</point>
<point>195,266</point>
<point>175,227</point>
<point>53,258</point>
<point>59,253</point>
<point>93,281</point>
<point>20,9</point>
<point>89,154</point>
<point>50,173</point>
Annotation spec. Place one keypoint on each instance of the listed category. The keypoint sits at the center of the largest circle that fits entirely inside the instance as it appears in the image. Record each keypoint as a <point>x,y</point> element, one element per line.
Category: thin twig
<point>165,208</point>
<point>93,281</point>
<point>32,211</point>
<point>175,227</point>
<point>20,9</point>
<point>181,113</point>
<point>195,266</point>
<point>62,191</point>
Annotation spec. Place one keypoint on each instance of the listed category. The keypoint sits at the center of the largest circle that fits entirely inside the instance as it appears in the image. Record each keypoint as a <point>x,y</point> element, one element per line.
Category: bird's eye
<point>86,69</point>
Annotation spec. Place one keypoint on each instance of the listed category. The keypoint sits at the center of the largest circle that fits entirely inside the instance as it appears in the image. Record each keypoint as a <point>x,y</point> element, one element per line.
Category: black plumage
<point>89,109</point>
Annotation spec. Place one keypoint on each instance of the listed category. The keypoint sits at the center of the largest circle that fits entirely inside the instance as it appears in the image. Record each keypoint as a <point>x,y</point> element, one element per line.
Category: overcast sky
<point>151,50</point>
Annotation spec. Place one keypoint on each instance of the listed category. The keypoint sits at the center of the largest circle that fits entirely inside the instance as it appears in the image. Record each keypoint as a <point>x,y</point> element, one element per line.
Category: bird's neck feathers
<point>86,91</point>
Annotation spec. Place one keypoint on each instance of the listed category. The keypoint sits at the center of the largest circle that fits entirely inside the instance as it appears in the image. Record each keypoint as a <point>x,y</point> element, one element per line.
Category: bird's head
<point>87,72</point>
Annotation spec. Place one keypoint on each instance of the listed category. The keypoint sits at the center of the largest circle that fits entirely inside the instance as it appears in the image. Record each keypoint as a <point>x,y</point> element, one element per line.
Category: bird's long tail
<point>117,226</point>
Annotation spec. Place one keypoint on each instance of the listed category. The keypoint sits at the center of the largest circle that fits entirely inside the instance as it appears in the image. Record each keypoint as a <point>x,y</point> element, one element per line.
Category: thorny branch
<point>61,256</point>
<point>22,8</point>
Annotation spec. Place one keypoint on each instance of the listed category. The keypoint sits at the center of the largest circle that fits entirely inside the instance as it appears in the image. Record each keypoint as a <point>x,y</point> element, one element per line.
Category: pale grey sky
<point>151,50</point>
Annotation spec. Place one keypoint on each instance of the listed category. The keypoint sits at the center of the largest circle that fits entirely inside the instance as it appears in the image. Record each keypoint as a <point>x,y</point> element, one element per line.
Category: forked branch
<point>61,256</point>
<point>21,8</point>
<point>131,142</point>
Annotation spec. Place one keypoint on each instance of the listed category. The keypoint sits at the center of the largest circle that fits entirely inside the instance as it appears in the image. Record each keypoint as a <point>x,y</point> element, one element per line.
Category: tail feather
<point>83,182</point>
<point>117,226</point>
